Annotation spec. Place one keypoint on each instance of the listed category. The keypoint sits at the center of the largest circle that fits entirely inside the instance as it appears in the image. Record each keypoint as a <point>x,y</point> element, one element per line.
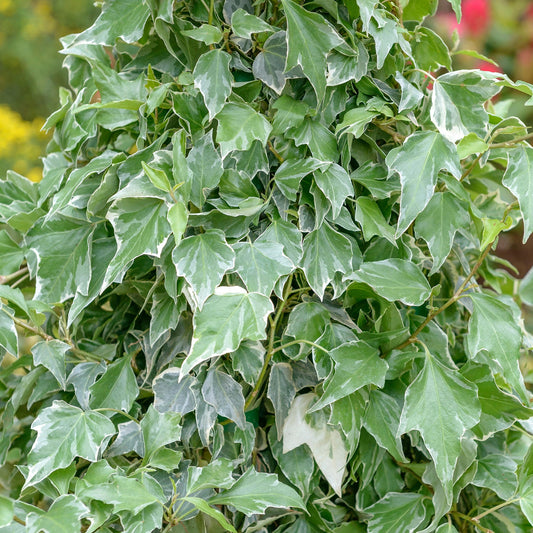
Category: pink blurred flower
<point>476,17</point>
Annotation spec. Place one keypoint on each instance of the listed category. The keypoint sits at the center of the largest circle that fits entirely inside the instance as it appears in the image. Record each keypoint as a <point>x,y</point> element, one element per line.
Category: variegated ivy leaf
<point>65,432</point>
<point>310,37</point>
<point>51,354</point>
<point>228,317</point>
<point>418,162</point>
<point>437,391</point>
<point>203,260</point>
<point>63,516</point>
<point>397,511</point>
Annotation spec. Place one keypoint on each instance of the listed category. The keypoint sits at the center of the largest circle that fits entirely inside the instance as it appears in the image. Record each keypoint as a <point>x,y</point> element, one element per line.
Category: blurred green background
<point>31,73</point>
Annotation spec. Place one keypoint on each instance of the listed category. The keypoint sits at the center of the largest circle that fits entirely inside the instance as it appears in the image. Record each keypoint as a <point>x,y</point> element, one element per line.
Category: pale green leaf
<point>159,429</point>
<point>497,472</point>
<point>227,318</point>
<point>372,221</point>
<point>158,177</point>
<point>336,185</point>
<point>429,50</point>
<point>418,162</point>
<point>213,78</point>
<point>141,228</point>
<point>63,516</point>
<point>117,388</point>
<point>244,24</point>
<point>269,64</point>
<point>356,364</point>
<point>175,392</point>
<point>177,217</point>
<point>291,172</point>
<point>310,37</point>
<point>324,441</point>
<point>326,252</point>
<point>255,491</point>
<point>436,392</point>
<point>203,260</point>
<point>205,33</point>
<point>493,330</point>
<point>8,332</point>
<point>6,511</point>
<point>239,126</point>
<point>202,506</point>
<point>65,432</point>
<point>51,354</point>
<point>397,511</point>
<point>394,279</point>
<point>472,144</point>
<point>281,392</point>
<point>261,264</point>
<point>11,254</point>
<point>355,121</point>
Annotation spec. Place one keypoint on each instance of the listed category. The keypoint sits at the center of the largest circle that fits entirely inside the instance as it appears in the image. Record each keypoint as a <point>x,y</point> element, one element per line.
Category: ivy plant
<point>256,288</point>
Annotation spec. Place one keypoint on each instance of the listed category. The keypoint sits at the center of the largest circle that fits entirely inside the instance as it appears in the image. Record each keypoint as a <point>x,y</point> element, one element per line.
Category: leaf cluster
<point>255,289</point>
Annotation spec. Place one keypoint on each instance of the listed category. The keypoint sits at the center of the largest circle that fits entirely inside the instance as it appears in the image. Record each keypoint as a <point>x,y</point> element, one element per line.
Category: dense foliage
<point>254,290</point>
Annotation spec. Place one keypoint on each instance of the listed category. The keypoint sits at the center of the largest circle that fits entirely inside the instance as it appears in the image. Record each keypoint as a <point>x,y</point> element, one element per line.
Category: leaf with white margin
<point>228,317</point>
<point>492,328</point>
<point>309,37</point>
<point>438,224</point>
<point>239,125</point>
<point>65,432</point>
<point>518,178</point>
<point>51,354</point>
<point>326,252</point>
<point>394,279</point>
<point>441,405</point>
<point>418,162</point>
<point>255,491</point>
<point>63,516</point>
<point>213,78</point>
<point>288,235</point>
<point>261,264</point>
<point>336,185</point>
<point>141,228</point>
<point>397,511</point>
<point>356,364</point>
<point>324,441</point>
<point>458,103</point>
<point>203,260</point>
<point>244,24</point>
<point>175,392</point>
<point>8,331</point>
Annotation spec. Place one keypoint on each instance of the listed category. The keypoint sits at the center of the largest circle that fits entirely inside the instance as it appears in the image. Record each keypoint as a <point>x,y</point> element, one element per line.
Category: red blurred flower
<point>487,66</point>
<point>476,17</point>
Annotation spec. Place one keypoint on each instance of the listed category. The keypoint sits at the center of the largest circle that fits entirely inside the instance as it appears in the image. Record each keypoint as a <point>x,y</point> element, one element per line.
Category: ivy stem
<point>117,411</point>
<point>445,306</point>
<point>300,341</point>
<point>398,138</point>
<point>278,156</point>
<point>28,327</point>
<point>506,144</point>
<point>495,508</point>
<point>6,279</point>
<point>472,521</point>
<point>270,349</point>
<point>467,172</point>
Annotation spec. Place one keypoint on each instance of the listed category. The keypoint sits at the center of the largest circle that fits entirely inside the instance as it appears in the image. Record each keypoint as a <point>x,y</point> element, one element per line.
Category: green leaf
<point>158,430</point>
<point>325,442</point>
<point>7,510</point>
<point>356,364</point>
<point>288,235</point>
<point>202,506</point>
<point>244,24</point>
<point>291,172</point>
<point>418,162</point>
<point>203,260</point>
<point>205,33</point>
<point>492,227</point>
<point>326,252</point>
<point>177,217</point>
<point>471,144</point>
<point>281,392</point>
<point>261,264</point>
<point>248,360</point>
<point>382,418</point>
<point>355,121</point>
<point>438,224</point>
<point>51,354</point>
<point>222,392</point>
<point>141,228</point>
<point>518,178</point>
<point>309,37</point>
<point>397,511</point>
<point>307,321</point>
<point>436,392</point>
<point>63,249</point>
<point>269,64</point>
<point>255,491</point>
<point>117,388</point>
<point>430,51</point>
<point>239,126</point>
<point>227,318</point>
<point>457,103</point>
<point>206,166</point>
<point>456,5</point>
<point>419,9</point>
<point>394,279</point>
<point>65,432</point>
<point>175,392</point>
<point>494,338</point>
<point>372,221</point>
<point>497,472</point>
<point>63,516</point>
<point>157,177</point>
<point>11,254</point>
<point>217,474</point>
<point>213,78</point>
<point>336,185</point>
